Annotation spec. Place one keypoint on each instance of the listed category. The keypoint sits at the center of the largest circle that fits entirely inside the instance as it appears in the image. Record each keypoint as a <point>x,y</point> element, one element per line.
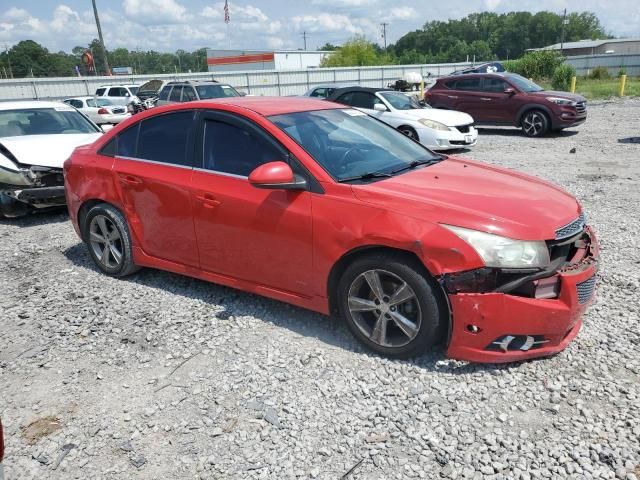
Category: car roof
<point>26,104</point>
<point>196,82</point>
<point>362,89</point>
<point>266,105</point>
<point>86,97</point>
<point>120,85</point>
<point>472,75</point>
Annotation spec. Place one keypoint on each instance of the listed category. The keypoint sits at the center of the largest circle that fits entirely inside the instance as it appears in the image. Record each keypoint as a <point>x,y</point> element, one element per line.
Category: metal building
<point>617,46</point>
<point>236,60</point>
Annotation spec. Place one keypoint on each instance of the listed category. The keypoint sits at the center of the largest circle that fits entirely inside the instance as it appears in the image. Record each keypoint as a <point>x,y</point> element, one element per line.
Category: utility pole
<point>104,49</point>
<point>384,35</point>
<point>564,22</point>
<point>304,37</point>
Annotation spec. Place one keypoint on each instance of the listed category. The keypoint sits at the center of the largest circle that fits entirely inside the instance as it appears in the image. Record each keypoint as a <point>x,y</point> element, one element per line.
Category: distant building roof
<point>585,44</point>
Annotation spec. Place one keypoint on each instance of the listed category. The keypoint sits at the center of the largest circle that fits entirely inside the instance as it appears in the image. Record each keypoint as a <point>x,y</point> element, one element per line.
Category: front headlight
<point>502,252</point>
<point>562,101</point>
<point>433,124</point>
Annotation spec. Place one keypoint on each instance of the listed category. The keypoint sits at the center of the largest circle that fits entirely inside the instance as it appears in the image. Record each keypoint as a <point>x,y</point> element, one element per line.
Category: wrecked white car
<point>36,137</point>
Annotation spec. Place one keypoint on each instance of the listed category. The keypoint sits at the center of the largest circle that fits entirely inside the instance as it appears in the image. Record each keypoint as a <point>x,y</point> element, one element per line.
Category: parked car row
<point>337,206</point>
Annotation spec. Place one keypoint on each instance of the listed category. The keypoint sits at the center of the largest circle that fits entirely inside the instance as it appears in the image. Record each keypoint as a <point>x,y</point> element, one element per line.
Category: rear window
<point>216,91</point>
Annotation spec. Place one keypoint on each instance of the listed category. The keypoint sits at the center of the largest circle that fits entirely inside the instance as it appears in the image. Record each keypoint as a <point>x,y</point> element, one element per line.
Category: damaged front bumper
<point>500,317</point>
<point>39,187</point>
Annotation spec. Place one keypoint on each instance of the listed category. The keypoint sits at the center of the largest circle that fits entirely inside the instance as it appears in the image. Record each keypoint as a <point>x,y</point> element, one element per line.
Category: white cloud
<point>325,22</point>
<point>155,11</point>
<point>401,13</point>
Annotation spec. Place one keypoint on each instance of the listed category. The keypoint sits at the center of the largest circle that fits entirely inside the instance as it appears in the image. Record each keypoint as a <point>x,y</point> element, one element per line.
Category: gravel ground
<point>163,376</point>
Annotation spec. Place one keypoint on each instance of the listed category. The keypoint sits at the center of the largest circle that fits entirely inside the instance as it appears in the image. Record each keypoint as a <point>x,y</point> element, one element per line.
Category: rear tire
<point>107,236</point>
<point>535,123</point>
<point>390,306</point>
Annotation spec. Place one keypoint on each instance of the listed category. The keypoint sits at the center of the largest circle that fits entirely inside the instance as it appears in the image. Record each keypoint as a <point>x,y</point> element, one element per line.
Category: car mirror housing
<point>509,91</point>
<point>276,176</point>
<point>378,107</point>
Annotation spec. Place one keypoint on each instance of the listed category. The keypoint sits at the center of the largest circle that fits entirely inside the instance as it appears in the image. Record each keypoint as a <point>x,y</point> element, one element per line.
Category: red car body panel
<point>284,244</point>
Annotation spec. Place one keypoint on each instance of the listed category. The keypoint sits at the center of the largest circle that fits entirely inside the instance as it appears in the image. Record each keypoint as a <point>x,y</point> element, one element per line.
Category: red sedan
<point>324,207</point>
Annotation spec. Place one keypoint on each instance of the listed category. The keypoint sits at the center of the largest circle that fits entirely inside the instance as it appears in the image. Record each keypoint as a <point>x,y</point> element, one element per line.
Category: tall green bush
<point>562,75</point>
<point>600,73</point>
<point>540,64</point>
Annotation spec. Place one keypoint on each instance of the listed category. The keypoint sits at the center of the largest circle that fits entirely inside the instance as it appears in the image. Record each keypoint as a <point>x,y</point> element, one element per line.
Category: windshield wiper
<point>365,176</point>
<point>416,163</point>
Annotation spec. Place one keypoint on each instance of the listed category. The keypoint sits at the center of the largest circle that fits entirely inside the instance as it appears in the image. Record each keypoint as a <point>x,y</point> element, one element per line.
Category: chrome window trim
<point>122,157</point>
<point>218,172</point>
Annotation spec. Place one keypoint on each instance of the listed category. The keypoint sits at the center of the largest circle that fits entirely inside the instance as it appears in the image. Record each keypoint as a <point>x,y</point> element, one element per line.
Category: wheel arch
<point>534,106</point>
<point>84,210</point>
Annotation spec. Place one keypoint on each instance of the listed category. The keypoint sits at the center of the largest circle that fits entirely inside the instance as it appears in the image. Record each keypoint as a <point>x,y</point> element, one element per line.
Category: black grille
<point>464,128</point>
<point>585,289</point>
<point>572,228</point>
<point>581,107</point>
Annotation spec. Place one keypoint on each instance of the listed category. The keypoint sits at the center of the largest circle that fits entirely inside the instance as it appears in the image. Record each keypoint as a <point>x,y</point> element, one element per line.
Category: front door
<point>154,169</point>
<point>497,104</point>
<point>262,236</point>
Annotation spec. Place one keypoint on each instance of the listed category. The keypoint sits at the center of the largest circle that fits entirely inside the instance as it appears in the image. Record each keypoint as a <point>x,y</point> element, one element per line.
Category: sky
<point>169,25</point>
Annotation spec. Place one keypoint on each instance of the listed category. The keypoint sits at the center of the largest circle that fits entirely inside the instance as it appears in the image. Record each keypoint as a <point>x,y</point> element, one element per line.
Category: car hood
<point>450,118</point>
<point>477,196</point>
<point>46,150</point>
<point>553,93</point>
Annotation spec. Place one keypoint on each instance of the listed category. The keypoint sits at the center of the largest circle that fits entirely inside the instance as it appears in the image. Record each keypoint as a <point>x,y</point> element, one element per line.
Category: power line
<point>384,34</point>
<point>304,37</point>
<point>104,49</point>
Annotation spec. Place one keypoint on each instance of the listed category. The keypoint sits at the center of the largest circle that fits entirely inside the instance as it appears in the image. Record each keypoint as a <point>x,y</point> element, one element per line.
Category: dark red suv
<point>508,99</point>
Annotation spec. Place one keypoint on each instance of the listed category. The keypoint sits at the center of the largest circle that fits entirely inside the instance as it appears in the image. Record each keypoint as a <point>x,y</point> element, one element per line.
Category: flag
<point>227,19</point>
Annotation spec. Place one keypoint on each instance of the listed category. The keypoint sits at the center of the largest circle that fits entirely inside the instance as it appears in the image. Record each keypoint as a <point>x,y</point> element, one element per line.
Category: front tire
<point>409,132</point>
<point>107,236</point>
<point>535,123</point>
<point>12,208</point>
<point>390,306</point>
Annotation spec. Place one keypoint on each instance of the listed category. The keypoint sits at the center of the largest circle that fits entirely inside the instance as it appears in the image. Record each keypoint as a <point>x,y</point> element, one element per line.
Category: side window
<point>74,103</point>
<point>493,84</point>
<point>235,150</point>
<point>164,138</point>
<point>127,141</point>
<point>100,91</point>
<point>188,94</point>
<point>319,92</point>
<point>346,99</point>
<point>450,84</point>
<point>175,94</point>
<point>468,84</point>
<point>364,100</point>
<point>110,149</point>
<point>164,93</point>
<point>91,102</point>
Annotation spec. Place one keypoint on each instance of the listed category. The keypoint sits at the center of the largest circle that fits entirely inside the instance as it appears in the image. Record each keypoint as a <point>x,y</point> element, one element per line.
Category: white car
<point>117,94</point>
<point>99,110</point>
<point>36,137</point>
<point>435,129</point>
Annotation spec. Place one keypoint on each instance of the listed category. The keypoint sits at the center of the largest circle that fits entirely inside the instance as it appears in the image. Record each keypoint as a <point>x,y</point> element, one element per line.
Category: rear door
<point>259,235</point>
<point>118,95</point>
<point>466,96</point>
<point>176,93</point>
<point>154,167</point>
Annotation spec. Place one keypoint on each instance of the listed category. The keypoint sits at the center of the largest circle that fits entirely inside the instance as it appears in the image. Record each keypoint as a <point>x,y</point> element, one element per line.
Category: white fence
<point>261,82</point>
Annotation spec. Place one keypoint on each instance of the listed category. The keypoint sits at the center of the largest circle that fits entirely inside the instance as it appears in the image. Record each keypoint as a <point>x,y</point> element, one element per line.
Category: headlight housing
<point>433,124</point>
<point>562,101</point>
<point>502,252</point>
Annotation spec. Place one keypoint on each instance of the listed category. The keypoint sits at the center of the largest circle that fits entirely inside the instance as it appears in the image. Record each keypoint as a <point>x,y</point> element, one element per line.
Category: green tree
<point>328,47</point>
<point>356,52</point>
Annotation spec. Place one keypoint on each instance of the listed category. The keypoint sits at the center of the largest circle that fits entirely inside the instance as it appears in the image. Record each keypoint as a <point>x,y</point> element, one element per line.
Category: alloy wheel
<point>384,308</point>
<point>533,124</point>
<point>106,241</point>
<point>410,133</point>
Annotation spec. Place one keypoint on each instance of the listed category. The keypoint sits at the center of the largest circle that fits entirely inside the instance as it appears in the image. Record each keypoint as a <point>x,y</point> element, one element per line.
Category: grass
<point>602,89</point>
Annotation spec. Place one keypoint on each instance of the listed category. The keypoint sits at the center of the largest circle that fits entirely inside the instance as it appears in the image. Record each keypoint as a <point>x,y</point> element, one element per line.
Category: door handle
<point>485,99</point>
<point>452,96</point>
<point>131,179</point>
<point>208,200</point>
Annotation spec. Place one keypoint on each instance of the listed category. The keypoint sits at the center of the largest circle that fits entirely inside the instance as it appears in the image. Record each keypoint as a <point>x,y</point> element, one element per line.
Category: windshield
<point>134,90</point>
<point>523,84</point>
<point>44,121</point>
<point>400,101</point>
<point>348,143</point>
<point>216,91</point>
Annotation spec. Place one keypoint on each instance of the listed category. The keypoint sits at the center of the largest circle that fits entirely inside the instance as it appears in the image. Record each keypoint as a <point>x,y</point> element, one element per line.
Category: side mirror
<point>378,107</point>
<point>509,91</point>
<point>127,94</point>
<point>242,93</point>
<point>276,176</point>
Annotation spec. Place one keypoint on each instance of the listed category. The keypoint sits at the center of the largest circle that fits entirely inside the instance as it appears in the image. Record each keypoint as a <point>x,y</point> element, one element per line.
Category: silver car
<point>175,92</point>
